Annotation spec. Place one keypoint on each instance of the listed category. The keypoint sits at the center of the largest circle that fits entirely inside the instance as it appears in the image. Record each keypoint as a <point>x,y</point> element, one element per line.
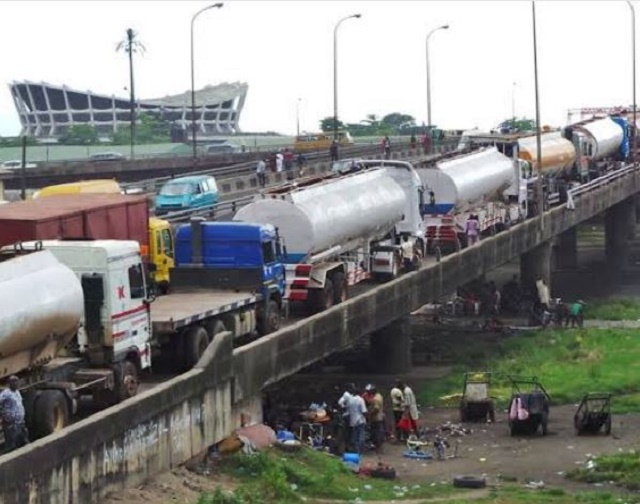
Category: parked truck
<point>75,321</point>
<point>338,230</point>
<point>58,215</point>
<point>80,320</point>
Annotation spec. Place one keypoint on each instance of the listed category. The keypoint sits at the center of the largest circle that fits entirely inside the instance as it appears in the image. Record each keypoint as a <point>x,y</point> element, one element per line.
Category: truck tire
<point>341,288</point>
<point>126,380</point>
<point>321,299</point>
<point>196,341</point>
<point>269,321</point>
<point>51,413</point>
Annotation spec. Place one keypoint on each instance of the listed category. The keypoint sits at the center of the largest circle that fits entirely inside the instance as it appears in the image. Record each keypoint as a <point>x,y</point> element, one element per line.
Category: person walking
<point>426,143</point>
<point>288,158</point>
<point>343,402</point>
<point>333,150</point>
<point>413,141</point>
<point>386,147</point>
<point>410,407</point>
<point>261,168</point>
<point>279,162</point>
<point>471,229</point>
<point>375,405</point>
<point>301,161</point>
<point>397,402</point>
<point>576,314</point>
<point>12,414</point>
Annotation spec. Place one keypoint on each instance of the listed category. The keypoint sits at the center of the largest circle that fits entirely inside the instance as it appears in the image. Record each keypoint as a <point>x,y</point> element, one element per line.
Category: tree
<point>79,134</point>
<point>515,125</point>
<point>398,121</point>
<point>150,129</point>
<point>131,45</point>
<point>326,124</point>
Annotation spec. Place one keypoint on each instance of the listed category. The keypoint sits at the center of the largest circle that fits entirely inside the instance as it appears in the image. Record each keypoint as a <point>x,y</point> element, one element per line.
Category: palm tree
<point>131,45</point>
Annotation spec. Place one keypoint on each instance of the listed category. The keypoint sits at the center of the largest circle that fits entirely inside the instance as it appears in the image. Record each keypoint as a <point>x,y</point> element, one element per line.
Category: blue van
<point>184,193</point>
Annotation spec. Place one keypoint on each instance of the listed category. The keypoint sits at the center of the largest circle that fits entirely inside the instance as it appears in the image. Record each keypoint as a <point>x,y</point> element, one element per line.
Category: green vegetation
<point>622,468</point>
<point>568,363</point>
<point>391,124</point>
<point>518,495</point>
<point>613,309</point>
<point>274,476</point>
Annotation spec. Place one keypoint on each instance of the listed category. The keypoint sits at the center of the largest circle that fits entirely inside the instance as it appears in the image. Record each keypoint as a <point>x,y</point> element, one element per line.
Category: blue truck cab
<point>233,256</point>
<point>185,193</point>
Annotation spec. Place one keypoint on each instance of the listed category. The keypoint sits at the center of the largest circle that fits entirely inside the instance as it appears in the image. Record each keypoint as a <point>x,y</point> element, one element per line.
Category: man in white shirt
<point>261,168</point>
<point>357,421</point>
<point>397,403</point>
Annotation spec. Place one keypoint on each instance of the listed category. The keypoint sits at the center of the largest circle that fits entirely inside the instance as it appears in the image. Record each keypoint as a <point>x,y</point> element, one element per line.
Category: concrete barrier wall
<point>126,444</point>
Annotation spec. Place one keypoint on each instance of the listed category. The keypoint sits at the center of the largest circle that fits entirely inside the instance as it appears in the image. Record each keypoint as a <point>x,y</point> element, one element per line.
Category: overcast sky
<point>284,51</point>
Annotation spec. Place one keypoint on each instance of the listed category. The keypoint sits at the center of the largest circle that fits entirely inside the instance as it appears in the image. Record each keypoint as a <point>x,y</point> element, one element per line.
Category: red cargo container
<point>93,216</point>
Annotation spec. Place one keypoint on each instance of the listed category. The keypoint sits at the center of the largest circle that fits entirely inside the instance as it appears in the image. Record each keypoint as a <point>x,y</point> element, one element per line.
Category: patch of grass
<point>622,469</point>
<point>273,476</point>
<point>569,363</point>
<point>613,309</point>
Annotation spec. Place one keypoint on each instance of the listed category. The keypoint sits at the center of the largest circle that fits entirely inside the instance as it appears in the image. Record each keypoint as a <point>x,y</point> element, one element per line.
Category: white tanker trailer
<point>484,183</point>
<point>336,231</point>
<point>597,140</point>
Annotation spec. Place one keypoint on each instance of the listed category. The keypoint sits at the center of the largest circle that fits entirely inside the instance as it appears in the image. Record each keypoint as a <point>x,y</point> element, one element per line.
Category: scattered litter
<point>294,487</point>
<point>535,485</point>
<point>367,487</point>
<point>482,459</point>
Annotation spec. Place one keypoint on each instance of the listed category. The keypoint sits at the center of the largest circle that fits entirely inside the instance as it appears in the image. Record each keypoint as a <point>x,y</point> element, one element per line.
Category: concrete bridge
<point>179,419</point>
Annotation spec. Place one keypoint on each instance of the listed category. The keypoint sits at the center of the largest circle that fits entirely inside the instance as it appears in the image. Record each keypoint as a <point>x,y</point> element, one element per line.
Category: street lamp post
<point>335,74</point>
<point>633,48</point>
<point>193,89</point>
<point>298,117</point>
<point>443,27</point>
<point>513,105</point>
<point>538,133</point>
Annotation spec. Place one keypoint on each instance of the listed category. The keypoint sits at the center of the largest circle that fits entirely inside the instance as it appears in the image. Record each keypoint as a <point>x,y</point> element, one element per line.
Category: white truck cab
<point>116,325</point>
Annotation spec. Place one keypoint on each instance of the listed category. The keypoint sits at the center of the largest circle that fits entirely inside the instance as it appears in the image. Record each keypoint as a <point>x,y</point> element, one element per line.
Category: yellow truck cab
<point>159,253</point>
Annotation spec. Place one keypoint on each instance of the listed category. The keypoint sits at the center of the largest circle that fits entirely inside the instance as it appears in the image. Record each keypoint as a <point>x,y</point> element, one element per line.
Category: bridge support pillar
<point>566,250</point>
<point>536,265</point>
<point>619,228</point>
<point>390,349</point>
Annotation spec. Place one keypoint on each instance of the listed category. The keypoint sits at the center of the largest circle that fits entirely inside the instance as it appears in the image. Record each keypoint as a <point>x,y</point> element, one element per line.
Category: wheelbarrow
<point>593,413</point>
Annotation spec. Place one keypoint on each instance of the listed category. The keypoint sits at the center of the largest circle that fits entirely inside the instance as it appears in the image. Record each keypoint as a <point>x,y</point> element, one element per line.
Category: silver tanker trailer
<point>338,230</point>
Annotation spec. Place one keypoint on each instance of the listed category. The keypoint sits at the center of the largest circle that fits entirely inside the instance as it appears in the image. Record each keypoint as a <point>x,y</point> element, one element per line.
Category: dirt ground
<point>488,450</point>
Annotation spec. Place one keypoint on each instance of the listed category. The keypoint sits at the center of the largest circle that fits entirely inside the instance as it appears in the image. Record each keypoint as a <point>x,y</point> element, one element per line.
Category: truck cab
<point>247,253</point>
<point>116,325</point>
<point>161,252</point>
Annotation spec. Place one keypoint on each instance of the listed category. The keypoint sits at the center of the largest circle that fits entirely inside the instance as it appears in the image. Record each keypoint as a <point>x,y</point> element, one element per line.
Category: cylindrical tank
<point>558,154</point>
<point>330,213</point>
<point>605,135</point>
<point>468,179</point>
<point>41,300</point>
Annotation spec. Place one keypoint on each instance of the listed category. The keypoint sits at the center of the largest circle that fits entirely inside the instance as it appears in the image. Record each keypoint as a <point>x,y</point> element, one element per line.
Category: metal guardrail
<point>603,180</point>
<point>240,169</point>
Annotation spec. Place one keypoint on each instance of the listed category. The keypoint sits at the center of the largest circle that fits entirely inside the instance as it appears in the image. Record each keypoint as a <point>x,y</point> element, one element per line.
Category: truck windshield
<point>178,188</point>
<point>268,252</point>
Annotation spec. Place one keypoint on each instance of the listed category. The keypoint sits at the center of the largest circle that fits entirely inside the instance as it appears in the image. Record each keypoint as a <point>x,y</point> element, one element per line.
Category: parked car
<point>107,156</point>
<point>184,193</point>
<point>223,148</point>
<point>16,164</point>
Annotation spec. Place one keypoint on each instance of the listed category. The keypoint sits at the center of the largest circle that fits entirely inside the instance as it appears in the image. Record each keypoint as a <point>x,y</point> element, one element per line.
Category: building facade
<point>47,111</point>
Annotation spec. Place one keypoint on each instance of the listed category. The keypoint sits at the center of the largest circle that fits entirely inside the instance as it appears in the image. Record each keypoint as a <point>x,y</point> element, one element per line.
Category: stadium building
<point>46,111</point>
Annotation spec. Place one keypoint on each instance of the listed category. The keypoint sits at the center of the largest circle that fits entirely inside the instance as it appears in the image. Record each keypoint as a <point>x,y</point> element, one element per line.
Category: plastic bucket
<point>352,458</point>
<point>284,435</point>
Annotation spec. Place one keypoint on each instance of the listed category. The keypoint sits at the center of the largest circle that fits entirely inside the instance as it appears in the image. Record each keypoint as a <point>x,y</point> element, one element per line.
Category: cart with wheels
<point>529,406</point>
<point>593,413</point>
<point>475,403</point>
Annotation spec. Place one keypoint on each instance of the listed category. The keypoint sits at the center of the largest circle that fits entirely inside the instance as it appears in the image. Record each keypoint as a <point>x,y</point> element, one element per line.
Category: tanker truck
<point>485,183</point>
<point>599,144</point>
<point>338,231</point>
<point>68,333</point>
<point>79,320</point>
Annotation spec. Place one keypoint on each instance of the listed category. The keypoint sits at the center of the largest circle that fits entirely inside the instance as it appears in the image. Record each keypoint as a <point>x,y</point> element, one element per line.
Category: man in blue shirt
<point>12,414</point>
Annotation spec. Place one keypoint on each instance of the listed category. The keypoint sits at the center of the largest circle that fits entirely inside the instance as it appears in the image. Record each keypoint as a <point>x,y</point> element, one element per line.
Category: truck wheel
<point>321,299</point>
<point>126,380</point>
<point>340,291</point>
<point>51,413</point>
<point>196,341</point>
<point>270,321</point>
